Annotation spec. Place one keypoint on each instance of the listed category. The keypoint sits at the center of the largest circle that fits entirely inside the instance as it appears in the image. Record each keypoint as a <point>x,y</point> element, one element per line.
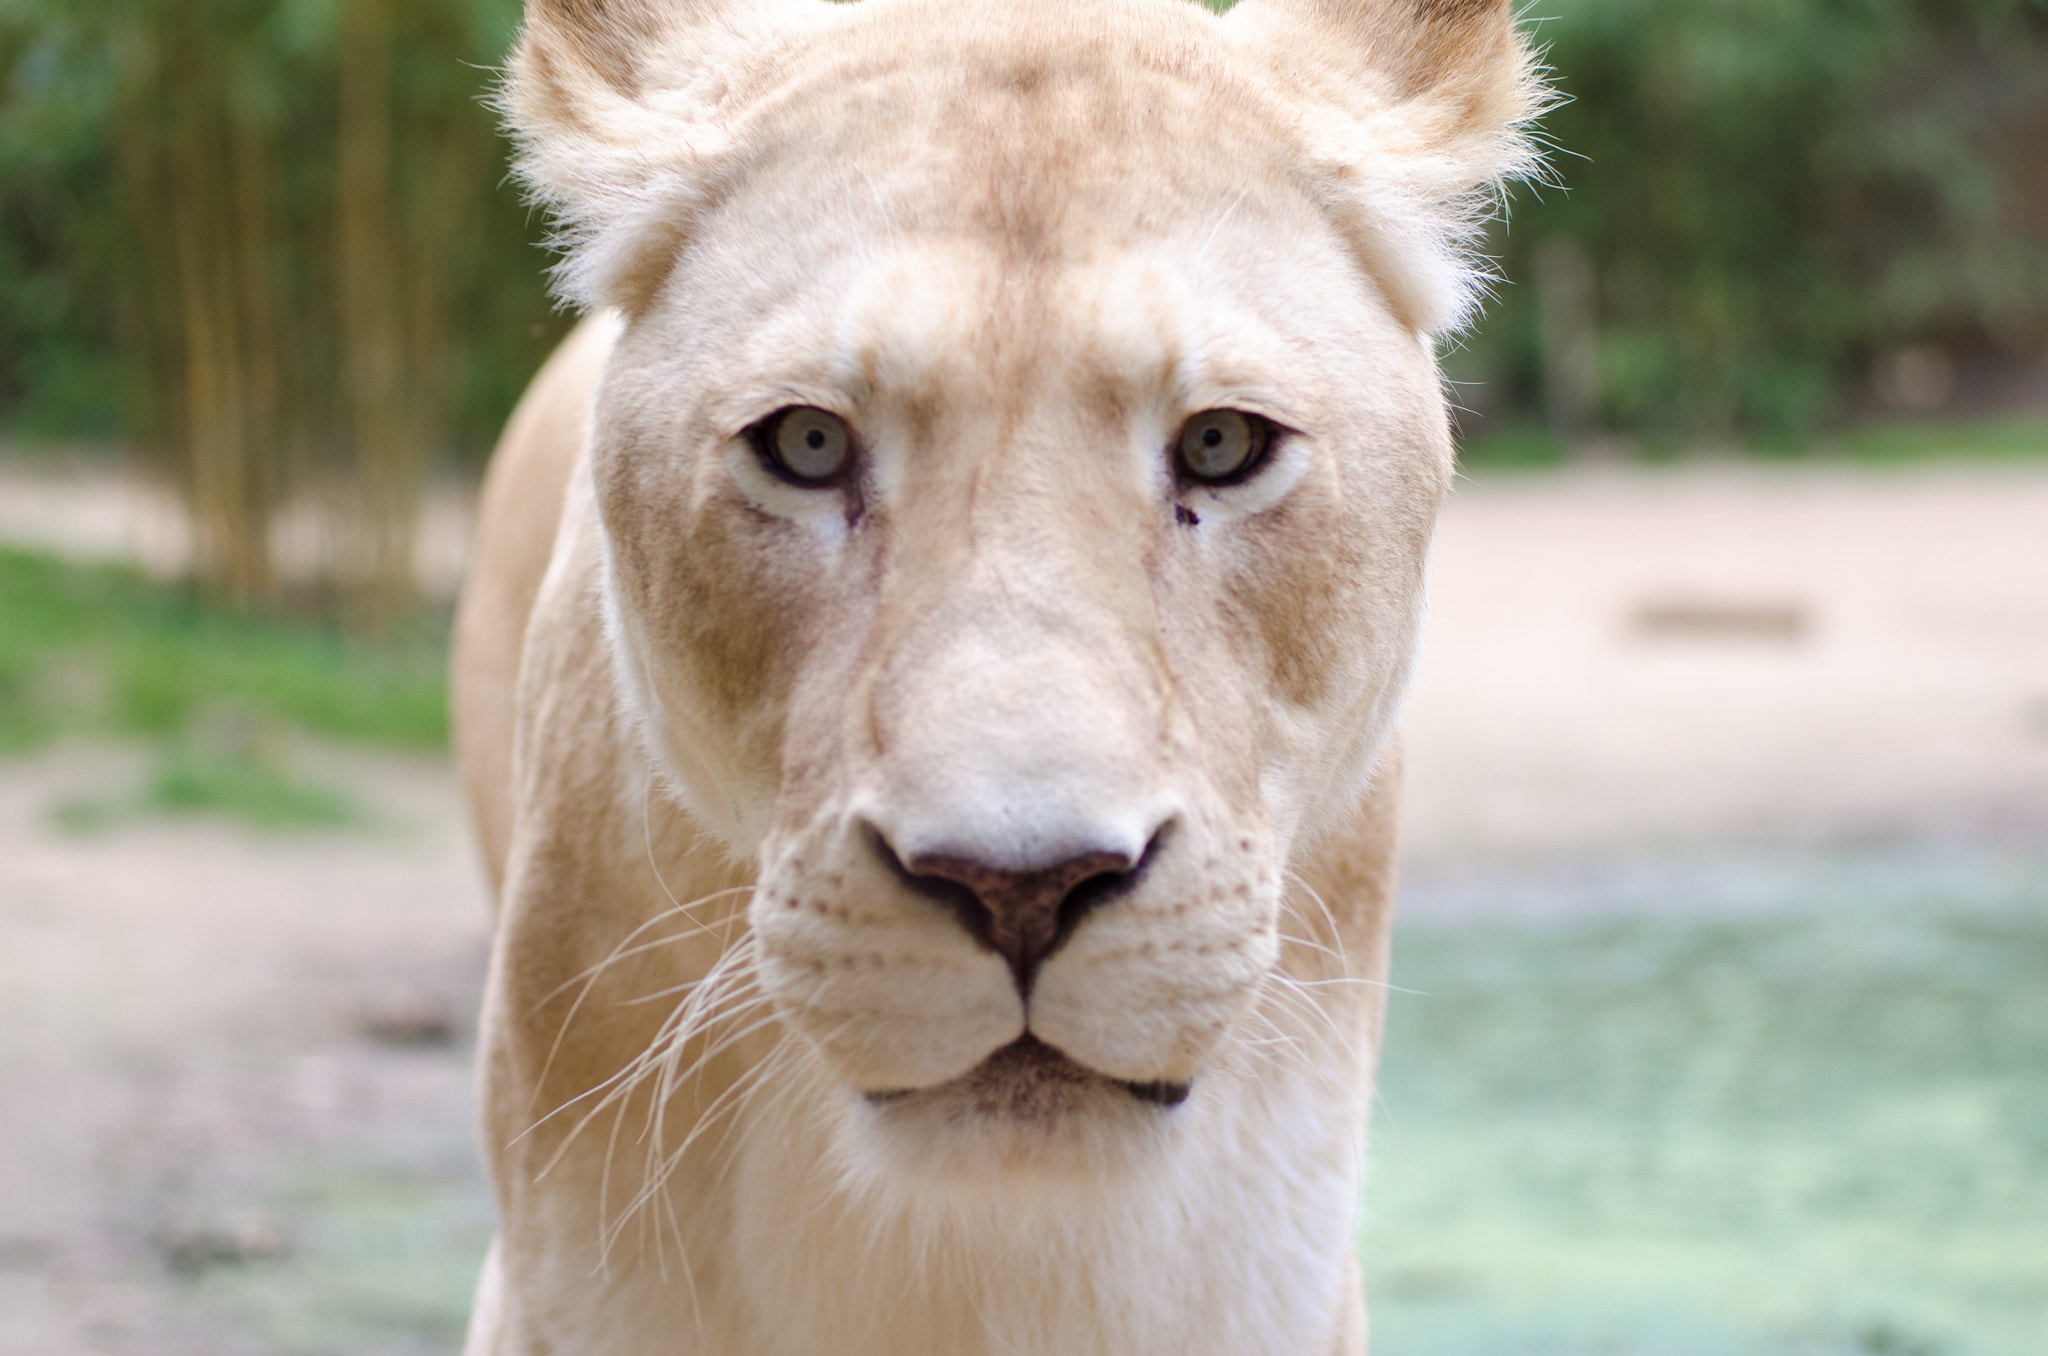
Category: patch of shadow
<point>408,1026</point>
<point>1701,618</point>
<point>1427,1283</point>
<point>191,1248</point>
<point>22,1252</point>
<point>1885,1339</point>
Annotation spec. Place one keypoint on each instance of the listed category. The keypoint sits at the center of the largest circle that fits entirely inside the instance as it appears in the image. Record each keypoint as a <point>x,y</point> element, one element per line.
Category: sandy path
<point>188,1012</point>
<point>83,508</point>
<point>1843,658</point>
<point>185,1011</point>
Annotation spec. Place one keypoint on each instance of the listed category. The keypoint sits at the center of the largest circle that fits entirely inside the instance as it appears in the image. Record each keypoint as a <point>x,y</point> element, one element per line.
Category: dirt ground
<point>207,1034</point>
<point>1712,655</point>
<point>194,1017</point>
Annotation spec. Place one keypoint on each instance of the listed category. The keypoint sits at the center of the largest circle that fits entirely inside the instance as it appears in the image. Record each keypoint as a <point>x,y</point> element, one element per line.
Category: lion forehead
<point>945,200</point>
<point>948,324</point>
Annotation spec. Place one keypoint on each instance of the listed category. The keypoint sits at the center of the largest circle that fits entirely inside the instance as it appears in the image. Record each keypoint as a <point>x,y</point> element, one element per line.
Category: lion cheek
<point>1141,1003</point>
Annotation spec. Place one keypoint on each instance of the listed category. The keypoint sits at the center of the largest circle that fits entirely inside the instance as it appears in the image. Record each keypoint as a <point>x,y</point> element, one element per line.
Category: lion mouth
<point>1030,1080</point>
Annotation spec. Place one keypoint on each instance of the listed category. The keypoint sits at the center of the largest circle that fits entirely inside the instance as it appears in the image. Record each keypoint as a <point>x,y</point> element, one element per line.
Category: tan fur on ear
<point>1417,112</point>
<point>621,110</point>
<point>611,37</point>
<point>1422,44</point>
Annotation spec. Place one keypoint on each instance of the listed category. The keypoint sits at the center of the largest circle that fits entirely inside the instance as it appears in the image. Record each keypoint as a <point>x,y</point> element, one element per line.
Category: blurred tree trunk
<point>382,393</point>
<point>297,251</point>
<point>196,180</point>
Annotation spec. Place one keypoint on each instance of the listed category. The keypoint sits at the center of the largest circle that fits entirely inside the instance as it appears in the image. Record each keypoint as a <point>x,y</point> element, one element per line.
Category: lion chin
<point>1026,1082</point>
<point>1027,1117</point>
<point>927,684</point>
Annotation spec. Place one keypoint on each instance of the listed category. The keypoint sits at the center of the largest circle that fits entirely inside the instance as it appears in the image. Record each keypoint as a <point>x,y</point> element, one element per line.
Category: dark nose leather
<point>1022,916</point>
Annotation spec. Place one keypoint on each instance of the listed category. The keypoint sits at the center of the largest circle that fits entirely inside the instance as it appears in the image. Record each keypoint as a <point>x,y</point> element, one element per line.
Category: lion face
<point>1015,477</point>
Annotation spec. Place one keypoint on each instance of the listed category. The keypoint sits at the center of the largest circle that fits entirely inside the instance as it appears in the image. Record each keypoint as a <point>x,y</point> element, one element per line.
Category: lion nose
<point>1023,916</point>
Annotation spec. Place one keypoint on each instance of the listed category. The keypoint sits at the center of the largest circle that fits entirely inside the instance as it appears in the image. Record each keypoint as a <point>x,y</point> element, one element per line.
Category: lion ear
<point>1418,111</point>
<point>620,110</point>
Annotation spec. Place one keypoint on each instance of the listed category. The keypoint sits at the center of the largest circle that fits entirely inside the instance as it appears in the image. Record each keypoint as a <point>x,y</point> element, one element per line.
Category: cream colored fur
<point>735,1098</point>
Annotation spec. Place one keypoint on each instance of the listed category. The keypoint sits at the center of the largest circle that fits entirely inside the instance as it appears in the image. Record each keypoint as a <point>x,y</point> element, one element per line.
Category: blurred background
<point>1723,1010</point>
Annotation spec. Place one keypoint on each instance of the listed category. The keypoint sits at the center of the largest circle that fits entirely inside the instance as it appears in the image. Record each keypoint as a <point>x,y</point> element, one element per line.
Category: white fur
<point>751,1086</point>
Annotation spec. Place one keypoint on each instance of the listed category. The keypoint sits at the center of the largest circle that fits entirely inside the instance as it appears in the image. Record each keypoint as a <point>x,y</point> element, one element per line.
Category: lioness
<point>927,680</point>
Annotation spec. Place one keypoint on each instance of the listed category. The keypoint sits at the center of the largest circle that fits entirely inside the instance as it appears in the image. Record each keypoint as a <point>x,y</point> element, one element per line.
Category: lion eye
<point>804,443</point>
<point>1218,447</point>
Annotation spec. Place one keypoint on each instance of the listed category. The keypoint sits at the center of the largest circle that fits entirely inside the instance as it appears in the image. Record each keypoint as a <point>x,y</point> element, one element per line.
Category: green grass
<point>100,651</point>
<point>222,697</point>
<point>257,786</point>
<point>1817,1135</point>
<point>1517,447</point>
<point>1978,439</point>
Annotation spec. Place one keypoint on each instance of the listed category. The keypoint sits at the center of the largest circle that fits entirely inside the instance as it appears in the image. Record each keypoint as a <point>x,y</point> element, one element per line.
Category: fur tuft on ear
<point>620,110</point>
<point>1418,112</point>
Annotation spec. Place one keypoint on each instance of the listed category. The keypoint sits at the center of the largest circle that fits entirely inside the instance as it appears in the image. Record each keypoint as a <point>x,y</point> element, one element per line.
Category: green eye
<point>1219,447</point>
<point>805,444</point>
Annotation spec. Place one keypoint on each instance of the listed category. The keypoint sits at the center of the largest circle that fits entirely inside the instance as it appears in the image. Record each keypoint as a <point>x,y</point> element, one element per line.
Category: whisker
<point>680,909</point>
<point>1284,990</point>
<point>616,1084</point>
<point>706,1005</point>
<point>1329,917</point>
<point>662,1166</point>
<point>620,952</point>
<point>1339,981</point>
<point>728,997</point>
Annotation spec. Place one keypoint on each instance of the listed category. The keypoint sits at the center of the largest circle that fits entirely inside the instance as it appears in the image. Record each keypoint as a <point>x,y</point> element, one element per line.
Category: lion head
<point>1015,470</point>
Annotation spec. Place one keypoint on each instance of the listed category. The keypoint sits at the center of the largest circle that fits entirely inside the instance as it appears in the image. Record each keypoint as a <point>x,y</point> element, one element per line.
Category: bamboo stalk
<point>277,326</point>
<point>385,438</point>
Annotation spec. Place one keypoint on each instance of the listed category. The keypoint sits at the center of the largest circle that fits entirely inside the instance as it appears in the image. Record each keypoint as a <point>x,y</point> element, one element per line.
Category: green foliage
<point>60,372</point>
<point>1771,191</point>
<point>104,104</point>
<point>1517,446</point>
<point>102,651</point>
